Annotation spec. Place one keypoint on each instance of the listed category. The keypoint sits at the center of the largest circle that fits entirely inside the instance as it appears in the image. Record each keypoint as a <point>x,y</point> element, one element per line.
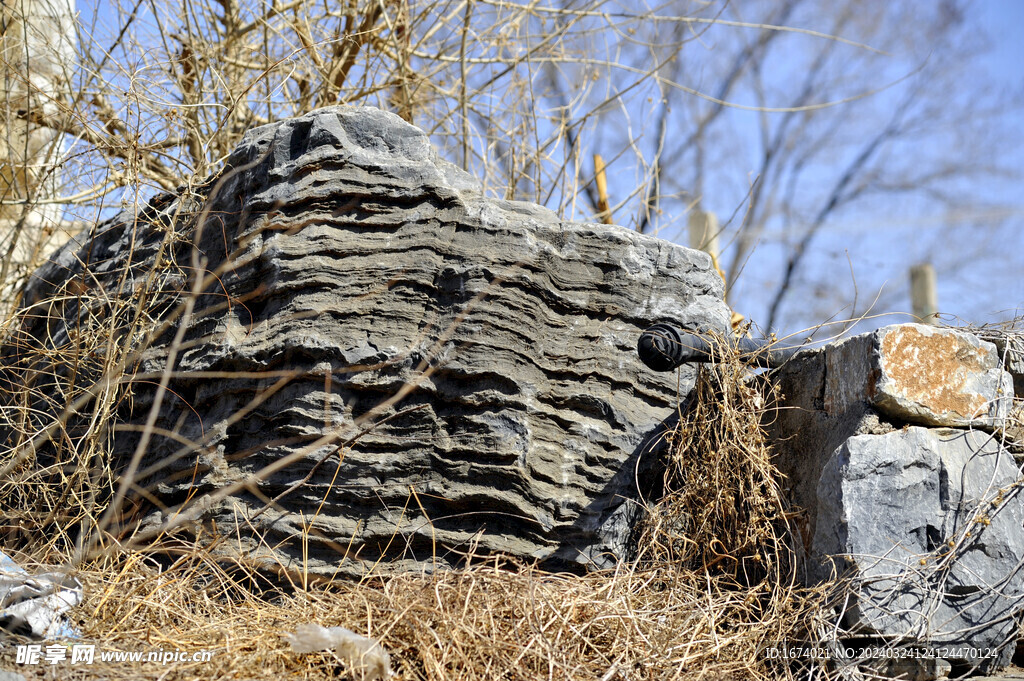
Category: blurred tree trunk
<point>37,58</point>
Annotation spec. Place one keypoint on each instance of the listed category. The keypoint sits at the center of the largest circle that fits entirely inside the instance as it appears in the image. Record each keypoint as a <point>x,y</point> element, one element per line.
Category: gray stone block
<point>1011,351</point>
<point>929,525</point>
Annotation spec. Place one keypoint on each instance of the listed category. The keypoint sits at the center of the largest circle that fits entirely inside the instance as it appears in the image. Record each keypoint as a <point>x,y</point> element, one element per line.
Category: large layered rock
<point>387,370</point>
<point>926,523</point>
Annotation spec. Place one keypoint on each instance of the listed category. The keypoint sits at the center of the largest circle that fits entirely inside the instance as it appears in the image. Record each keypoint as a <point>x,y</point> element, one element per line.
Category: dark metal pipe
<point>663,347</point>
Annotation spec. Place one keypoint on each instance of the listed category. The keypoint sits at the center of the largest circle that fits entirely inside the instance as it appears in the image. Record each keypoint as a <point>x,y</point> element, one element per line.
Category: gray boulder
<point>929,524</point>
<point>385,370</point>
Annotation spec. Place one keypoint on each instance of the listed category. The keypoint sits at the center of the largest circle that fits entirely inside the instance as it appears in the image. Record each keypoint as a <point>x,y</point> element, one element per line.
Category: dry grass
<point>482,623</point>
<point>714,584</point>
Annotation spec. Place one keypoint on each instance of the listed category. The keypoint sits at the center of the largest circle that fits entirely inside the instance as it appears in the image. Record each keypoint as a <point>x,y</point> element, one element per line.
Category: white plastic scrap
<point>366,657</point>
<point>35,605</point>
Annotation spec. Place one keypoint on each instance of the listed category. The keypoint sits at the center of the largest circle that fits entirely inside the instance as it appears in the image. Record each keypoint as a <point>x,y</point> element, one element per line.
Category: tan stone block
<point>921,374</point>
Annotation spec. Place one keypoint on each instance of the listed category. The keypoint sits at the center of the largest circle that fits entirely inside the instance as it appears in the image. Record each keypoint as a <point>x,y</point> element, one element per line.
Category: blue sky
<point>867,252</point>
<point>1004,20</point>
<point>992,288</point>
